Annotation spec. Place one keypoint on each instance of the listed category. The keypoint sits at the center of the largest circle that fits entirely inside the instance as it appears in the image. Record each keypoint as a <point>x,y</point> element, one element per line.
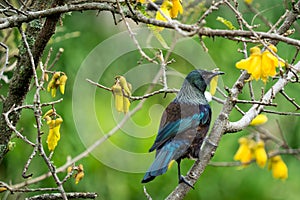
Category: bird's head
<point>201,78</point>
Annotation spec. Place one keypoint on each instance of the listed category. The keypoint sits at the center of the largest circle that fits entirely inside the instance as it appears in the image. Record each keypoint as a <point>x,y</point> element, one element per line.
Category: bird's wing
<point>178,118</point>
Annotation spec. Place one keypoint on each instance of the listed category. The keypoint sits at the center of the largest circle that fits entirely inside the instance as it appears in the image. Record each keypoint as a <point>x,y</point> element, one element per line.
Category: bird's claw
<point>182,179</point>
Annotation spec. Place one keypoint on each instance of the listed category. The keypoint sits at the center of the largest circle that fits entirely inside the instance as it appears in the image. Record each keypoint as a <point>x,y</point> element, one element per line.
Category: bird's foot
<point>182,179</point>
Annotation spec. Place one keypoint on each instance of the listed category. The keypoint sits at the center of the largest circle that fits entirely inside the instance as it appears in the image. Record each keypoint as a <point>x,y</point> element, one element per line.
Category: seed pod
<point>126,104</point>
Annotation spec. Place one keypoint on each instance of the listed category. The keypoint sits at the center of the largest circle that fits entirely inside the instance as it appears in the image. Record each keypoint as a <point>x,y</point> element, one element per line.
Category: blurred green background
<point>79,35</point>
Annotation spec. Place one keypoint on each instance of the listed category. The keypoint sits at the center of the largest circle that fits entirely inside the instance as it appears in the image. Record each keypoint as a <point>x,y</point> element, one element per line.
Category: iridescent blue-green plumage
<point>184,125</point>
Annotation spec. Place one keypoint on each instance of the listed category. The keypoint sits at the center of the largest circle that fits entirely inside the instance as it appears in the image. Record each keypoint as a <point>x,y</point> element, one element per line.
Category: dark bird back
<point>184,125</point>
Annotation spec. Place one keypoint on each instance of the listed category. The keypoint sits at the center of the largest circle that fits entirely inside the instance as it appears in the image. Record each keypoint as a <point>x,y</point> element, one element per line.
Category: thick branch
<point>231,34</point>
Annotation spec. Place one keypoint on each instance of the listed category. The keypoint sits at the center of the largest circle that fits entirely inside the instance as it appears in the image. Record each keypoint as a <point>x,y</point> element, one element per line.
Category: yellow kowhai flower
<point>260,154</point>
<point>176,8</point>
<point>250,64</point>
<point>259,120</point>
<point>260,65</point>
<point>165,8</point>
<point>269,63</point>
<point>244,153</point>
<point>54,132</point>
<point>56,81</point>
<point>278,167</point>
<point>170,8</point>
<point>62,83</point>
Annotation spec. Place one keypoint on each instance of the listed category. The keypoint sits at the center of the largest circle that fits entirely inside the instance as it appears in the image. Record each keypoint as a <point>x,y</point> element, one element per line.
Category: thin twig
<point>69,195</point>
<point>132,35</point>
<point>13,128</point>
<point>280,113</point>
<point>255,102</point>
<point>57,57</point>
<point>135,98</point>
<point>35,150</point>
<point>292,100</point>
<point>146,193</point>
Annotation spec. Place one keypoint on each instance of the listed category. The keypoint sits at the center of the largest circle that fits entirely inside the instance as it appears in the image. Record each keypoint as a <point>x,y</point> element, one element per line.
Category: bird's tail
<point>159,166</point>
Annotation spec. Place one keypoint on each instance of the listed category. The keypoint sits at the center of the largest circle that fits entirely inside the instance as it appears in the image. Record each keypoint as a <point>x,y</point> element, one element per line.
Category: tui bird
<point>184,125</point>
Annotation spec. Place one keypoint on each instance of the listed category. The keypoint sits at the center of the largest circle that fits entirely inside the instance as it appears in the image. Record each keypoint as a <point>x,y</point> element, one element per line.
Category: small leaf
<point>226,23</point>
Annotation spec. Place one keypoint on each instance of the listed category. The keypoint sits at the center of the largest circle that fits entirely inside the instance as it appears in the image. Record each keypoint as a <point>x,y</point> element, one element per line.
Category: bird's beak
<point>208,75</point>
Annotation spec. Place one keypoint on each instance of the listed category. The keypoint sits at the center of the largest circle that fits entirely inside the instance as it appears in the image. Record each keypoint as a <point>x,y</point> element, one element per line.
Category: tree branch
<point>71,195</point>
<point>202,31</point>
<point>23,74</point>
<point>256,109</point>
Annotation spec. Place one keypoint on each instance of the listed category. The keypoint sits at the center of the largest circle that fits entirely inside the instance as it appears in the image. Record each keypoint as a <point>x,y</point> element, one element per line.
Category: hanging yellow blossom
<point>62,83</point>
<point>54,132</point>
<point>58,80</point>
<point>170,8</point>
<point>244,153</point>
<point>259,120</point>
<point>278,167</point>
<point>260,65</point>
<point>176,8</point>
<point>165,8</point>
<point>269,62</point>
<point>260,154</point>
<point>252,62</point>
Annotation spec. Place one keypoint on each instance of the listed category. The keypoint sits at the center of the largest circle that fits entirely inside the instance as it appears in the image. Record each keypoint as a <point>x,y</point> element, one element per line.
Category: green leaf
<point>226,23</point>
